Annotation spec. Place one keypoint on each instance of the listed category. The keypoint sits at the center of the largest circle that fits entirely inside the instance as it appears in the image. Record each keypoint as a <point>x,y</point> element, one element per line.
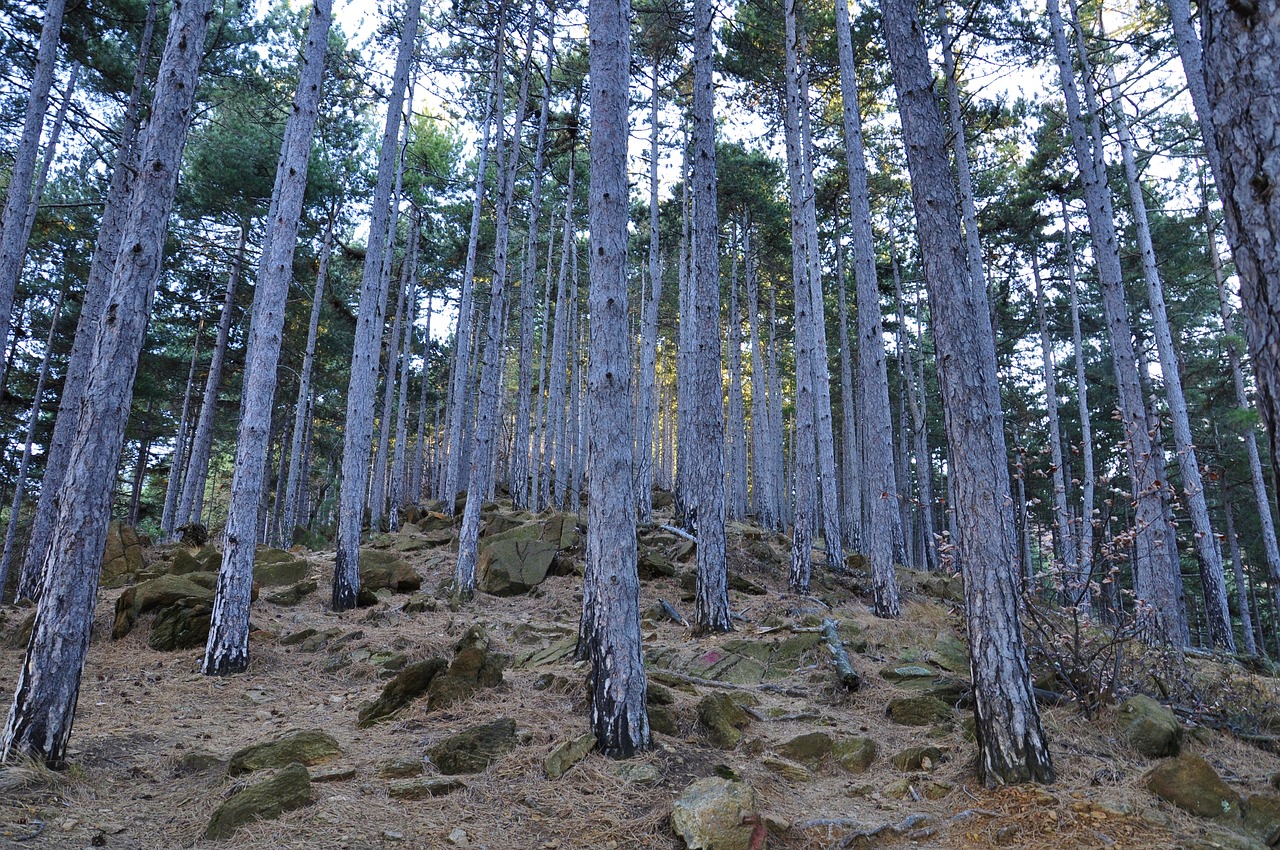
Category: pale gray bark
<point>735,416</point>
<point>1088,480</point>
<point>33,417</point>
<point>959,149</point>
<point>13,231</point>
<point>850,449</point>
<point>1212,579</point>
<point>610,628</point>
<point>685,499</point>
<point>459,384</point>
<point>1011,744</point>
<point>362,387</point>
<point>1155,578</point>
<point>105,248</point>
<point>302,407</point>
<point>763,494</point>
<point>196,477</point>
<point>178,461</point>
<point>648,403</point>
<point>521,492</point>
<point>489,401</point>
<point>557,476</point>
<point>400,496</point>
<point>706,406</point>
<point>879,495</point>
<point>227,649</point>
<point>39,723</point>
<point>420,459</point>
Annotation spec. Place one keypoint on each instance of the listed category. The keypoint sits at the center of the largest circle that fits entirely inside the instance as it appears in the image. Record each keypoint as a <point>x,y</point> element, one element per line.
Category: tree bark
<point>649,325</point>
<point>610,628</point>
<point>362,387</point>
<point>763,493</point>
<point>736,427</point>
<point>227,649</point>
<point>1088,481</point>
<point>39,723</point>
<point>1011,744</point>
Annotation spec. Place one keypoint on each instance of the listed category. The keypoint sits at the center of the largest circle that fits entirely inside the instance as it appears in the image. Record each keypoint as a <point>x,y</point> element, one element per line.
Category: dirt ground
<point>142,714</point>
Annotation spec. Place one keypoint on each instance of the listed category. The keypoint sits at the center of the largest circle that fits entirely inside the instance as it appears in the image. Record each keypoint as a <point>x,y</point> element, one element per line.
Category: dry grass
<point>141,712</point>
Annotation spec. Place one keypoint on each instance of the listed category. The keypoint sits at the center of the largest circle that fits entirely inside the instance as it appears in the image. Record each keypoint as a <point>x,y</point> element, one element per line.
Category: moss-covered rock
<point>422,789</point>
<point>183,625</point>
<point>1190,783</point>
<point>160,592</point>
<point>722,719</point>
<point>716,814</point>
<point>304,746</point>
<point>407,685</point>
<point>288,790</point>
<point>568,753</point>
<point>917,758</point>
<point>122,555</point>
<point>811,748</point>
<point>1150,728</point>
<point>854,754</point>
<point>277,568</point>
<point>919,711</point>
<point>512,566</point>
<point>473,750</point>
<point>293,594</point>
<point>472,667</point>
<point>383,570</point>
<point>184,562</point>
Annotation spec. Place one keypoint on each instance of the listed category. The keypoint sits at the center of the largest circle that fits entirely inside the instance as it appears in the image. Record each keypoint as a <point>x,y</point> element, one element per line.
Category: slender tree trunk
<point>959,149</point>
<point>39,723</point>
<point>400,460</point>
<point>227,649</point>
<point>140,468</point>
<point>362,388</point>
<point>92,306</point>
<point>1154,576</point>
<point>13,234</point>
<point>557,393</point>
<point>33,418</point>
<point>610,628</point>
<point>196,479</point>
<point>649,324</point>
<point>1084,551</point>
<point>685,497</point>
<point>1011,745</point>
<point>762,492</point>
<point>378,486</point>
<point>850,449</point>
<point>301,410</point>
<point>736,427</point>
<point>420,459</point>
<point>460,381</point>
<point>879,496</point>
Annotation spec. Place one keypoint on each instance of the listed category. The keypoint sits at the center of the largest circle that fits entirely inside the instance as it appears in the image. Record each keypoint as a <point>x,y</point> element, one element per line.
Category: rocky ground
<point>407,723</point>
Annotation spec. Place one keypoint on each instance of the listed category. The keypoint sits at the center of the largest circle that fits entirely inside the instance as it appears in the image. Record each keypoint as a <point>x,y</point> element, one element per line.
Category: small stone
<point>460,838</point>
<point>722,718</point>
<point>400,768</point>
<point>567,754</point>
<point>787,769</point>
<point>855,754</point>
<point>919,711</point>
<point>421,789</point>
<point>1151,729</point>
<point>640,773</point>
<point>917,758</point>
<point>392,835</point>
<point>473,750</point>
<point>811,748</point>
<point>337,773</point>
<point>409,684</point>
<point>907,673</point>
<point>716,814</point>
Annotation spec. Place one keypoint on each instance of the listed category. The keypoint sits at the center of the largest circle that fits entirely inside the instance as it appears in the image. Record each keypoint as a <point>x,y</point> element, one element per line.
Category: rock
<point>567,754</point>
<point>907,673</point>
<point>1221,839</point>
<point>640,773</point>
<point>298,637</point>
<point>854,754</point>
<point>287,790</point>
<point>276,567</point>
<point>472,667</point>
<point>293,594</point>
<point>419,603</point>
<point>716,814</point>
<point>1151,728</point>
<point>193,534</point>
<point>379,570</point>
<point>919,711</point>
<point>210,557</point>
<point>196,761</point>
<point>459,838</point>
<point>435,521</point>
<point>787,769</point>
<point>473,750</point>
<point>512,566</point>
<point>722,718</point>
<point>122,556</point>
<point>160,592</point>
<point>421,789</point>
<point>811,748</point>
<point>950,653</point>
<point>336,773</point>
<point>662,719</point>
<point>183,625</point>
<point>1262,817</point>
<point>405,767</point>
<point>653,565</point>
<point>917,758</point>
<point>1191,784</point>
<point>184,562</point>
<point>407,685</point>
<point>304,746</point>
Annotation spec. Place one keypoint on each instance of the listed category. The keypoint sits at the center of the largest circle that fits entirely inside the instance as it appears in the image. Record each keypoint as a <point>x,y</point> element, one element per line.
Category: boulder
<point>917,758</point>
<point>122,556</point>
<point>1262,818</point>
<point>472,667</point>
<point>1191,784</point>
<point>900,673</point>
<point>512,566</point>
<point>811,748</point>
<point>722,718</point>
<point>293,594</point>
<point>653,565</point>
<point>383,570</point>
<point>160,592</point>
<point>304,746</point>
<point>405,767</point>
<point>567,754</point>
<point>210,557</point>
<point>1150,728</point>
<point>919,711</point>
<point>473,750</point>
<point>422,789</point>
<point>787,769</point>
<point>183,625</point>
<point>288,790</point>
<point>717,814</point>
<point>184,562</point>
<point>419,603</point>
<point>407,685</point>
<point>276,567</point>
<point>855,754</point>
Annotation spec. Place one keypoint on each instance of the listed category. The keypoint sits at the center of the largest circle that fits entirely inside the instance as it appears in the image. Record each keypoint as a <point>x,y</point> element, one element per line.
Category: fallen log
<point>848,677</point>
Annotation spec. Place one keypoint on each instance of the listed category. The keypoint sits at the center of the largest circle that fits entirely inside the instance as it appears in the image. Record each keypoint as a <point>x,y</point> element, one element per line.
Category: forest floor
<point>152,735</point>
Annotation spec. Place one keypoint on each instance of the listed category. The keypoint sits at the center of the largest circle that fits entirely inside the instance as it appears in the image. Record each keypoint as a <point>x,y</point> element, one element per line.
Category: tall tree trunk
<point>959,149</point>
<point>301,409</point>
<point>879,496</point>
<point>557,393</point>
<point>378,485</point>
<point>459,384</point>
<point>39,723</point>
<point>736,427</point>
<point>420,460</point>
<point>33,418</point>
<point>521,493</point>
<point>13,233</point>
<point>685,497</point>
<point>140,468</point>
<point>197,474</point>
<point>762,492</point>
<point>489,402</point>
<point>1011,744</point>
<point>850,449</point>
<point>610,628</point>
<point>1154,576</point>
<point>400,459</point>
<point>92,305</point>
<point>649,324</point>
<point>227,649</point>
<point>178,461</point>
<point>362,388</point>
<point>1088,481</point>
<point>1212,579</point>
